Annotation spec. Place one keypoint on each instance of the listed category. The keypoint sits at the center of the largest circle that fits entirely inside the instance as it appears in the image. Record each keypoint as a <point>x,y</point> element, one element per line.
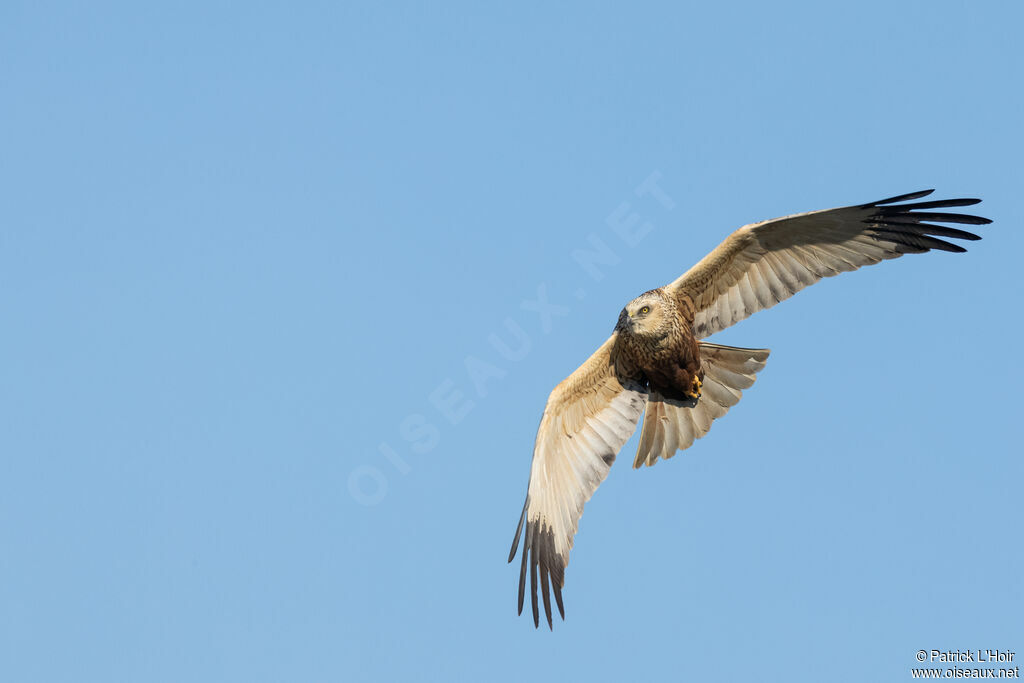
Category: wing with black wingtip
<point>588,418</point>
<point>763,263</point>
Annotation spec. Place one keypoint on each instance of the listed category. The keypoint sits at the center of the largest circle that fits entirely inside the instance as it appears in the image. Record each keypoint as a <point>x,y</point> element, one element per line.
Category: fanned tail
<point>671,425</point>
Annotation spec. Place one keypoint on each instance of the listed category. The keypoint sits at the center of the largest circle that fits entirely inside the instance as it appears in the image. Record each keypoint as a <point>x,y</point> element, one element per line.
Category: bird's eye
<point>645,309</point>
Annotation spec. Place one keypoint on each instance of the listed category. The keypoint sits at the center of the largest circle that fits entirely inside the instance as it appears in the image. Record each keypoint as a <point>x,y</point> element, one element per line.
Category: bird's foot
<point>695,386</point>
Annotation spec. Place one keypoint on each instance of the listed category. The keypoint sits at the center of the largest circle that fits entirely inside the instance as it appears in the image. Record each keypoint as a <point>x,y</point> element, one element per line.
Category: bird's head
<point>644,316</point>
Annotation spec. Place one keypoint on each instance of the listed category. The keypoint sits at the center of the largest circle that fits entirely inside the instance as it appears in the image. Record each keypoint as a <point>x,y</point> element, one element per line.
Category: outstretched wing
<point>588,418</point>
<point>761,264</point>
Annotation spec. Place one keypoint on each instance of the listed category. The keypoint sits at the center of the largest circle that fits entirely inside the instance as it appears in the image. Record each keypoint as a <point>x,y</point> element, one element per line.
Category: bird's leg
<point>695,385</point>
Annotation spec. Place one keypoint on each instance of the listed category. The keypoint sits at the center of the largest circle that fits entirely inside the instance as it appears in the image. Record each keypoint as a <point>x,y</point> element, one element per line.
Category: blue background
<point>242,244</point>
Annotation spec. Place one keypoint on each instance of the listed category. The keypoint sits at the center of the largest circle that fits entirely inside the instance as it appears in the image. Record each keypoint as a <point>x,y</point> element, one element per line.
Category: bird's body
<point>655,366</point>
<point>656,342</point>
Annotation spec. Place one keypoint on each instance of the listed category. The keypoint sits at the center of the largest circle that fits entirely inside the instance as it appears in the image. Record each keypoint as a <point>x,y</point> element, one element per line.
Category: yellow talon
<point>694,391</point>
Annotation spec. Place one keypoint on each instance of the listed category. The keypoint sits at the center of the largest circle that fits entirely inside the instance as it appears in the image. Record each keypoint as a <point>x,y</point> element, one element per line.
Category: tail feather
<point>671,425</point>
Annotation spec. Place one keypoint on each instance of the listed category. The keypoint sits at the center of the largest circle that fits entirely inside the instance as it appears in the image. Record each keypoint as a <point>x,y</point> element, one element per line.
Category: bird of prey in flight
<point>654,362</point>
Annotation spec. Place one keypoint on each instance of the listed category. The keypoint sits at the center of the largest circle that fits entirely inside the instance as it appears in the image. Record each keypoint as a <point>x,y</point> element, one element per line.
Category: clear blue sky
<point>247,249</point>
